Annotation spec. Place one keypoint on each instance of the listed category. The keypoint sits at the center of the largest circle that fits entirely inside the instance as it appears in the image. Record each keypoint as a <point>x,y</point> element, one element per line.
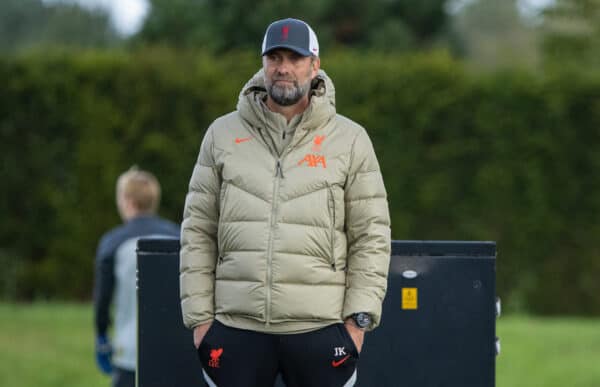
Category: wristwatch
<point>362,319</point>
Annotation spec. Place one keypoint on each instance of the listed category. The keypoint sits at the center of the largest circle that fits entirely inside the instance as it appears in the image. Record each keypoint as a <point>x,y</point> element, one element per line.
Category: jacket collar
<point>321,109</point>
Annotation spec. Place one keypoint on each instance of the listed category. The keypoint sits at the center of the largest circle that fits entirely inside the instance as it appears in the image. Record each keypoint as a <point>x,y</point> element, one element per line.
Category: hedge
<point>509,156</point>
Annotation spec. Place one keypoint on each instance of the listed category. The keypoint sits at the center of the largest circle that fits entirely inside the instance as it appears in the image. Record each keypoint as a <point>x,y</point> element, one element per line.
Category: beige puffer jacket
<point>289,242</point>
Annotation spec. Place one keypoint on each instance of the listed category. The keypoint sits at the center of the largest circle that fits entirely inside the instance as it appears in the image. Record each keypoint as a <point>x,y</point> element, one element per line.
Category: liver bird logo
<point>285,30</point>
<point>317,143</point>
<point>215,357</point>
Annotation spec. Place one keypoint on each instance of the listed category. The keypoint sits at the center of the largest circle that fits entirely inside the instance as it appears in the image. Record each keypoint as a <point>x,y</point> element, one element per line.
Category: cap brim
<point>298,50</point>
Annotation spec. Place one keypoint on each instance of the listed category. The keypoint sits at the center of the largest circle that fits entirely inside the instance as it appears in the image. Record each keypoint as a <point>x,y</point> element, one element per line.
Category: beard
<point>286,94</point>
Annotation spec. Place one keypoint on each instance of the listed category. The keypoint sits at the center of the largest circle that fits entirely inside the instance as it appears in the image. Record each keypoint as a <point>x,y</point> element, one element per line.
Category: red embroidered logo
<point>239,140</point>
<point>313,160</point>
<point>339,362</point>
<point>317,143</point>
<point>215,356</point>
<point>285,30</point>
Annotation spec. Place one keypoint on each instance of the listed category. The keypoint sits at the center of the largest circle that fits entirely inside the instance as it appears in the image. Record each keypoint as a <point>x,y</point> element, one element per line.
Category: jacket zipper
<point>331,206</point>
<point>273,220</point>
<point>272,224</point>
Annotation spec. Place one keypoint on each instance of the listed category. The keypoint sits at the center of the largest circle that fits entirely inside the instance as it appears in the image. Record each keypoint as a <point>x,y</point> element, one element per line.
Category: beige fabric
<point>284,241</point>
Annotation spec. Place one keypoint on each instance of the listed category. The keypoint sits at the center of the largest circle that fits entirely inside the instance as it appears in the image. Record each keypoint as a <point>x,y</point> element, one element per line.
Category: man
<point>285,238</point>
<point>138,197</point>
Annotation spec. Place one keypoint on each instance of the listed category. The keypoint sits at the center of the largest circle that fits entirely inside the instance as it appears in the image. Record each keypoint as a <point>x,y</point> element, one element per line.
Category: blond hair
<point>141,188</point>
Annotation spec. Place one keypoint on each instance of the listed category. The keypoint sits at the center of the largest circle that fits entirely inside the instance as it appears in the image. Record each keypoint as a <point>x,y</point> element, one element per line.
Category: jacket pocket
<point>331,209</point>
<point>349,340</point>
<point>222,204</point>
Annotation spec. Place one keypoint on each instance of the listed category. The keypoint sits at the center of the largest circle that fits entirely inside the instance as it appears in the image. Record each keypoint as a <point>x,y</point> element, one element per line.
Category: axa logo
<point>313,160</point>
<point>215,357</point>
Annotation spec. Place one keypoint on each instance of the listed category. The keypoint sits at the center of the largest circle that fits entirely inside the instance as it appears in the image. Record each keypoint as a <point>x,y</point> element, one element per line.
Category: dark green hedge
<point>510,157</point>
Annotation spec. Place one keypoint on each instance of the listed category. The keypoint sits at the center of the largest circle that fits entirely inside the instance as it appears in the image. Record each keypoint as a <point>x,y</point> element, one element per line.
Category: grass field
<point>51,345</point>
<point>48,345</point>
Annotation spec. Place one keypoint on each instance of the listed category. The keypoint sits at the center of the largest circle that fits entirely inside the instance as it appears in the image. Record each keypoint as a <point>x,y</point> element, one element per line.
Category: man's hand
<point>200,332</point>
<point>103,354</point>
<point>357,334</point>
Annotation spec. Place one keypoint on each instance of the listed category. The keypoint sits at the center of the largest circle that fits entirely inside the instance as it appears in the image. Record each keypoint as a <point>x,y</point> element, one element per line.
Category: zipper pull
<point>278,170</point>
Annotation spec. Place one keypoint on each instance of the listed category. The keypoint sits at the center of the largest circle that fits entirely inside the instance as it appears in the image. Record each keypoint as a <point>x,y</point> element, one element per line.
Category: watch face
<point>363,320</point>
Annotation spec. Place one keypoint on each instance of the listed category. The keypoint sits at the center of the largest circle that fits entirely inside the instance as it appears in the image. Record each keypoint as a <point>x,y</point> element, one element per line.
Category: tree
<point>224,25</point>
<point>31,23</point>
<point>571,34</point>
<point>495,34</point>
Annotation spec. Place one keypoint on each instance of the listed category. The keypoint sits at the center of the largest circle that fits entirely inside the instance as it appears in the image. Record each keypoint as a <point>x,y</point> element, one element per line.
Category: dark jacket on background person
<point>116,262</point>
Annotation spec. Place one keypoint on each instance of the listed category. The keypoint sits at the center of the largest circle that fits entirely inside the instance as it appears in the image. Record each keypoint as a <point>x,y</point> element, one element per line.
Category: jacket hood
<point>320,110</point>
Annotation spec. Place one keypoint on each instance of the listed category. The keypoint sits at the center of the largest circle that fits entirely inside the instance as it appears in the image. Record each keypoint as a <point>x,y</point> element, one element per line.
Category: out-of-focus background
<point>485,115</point>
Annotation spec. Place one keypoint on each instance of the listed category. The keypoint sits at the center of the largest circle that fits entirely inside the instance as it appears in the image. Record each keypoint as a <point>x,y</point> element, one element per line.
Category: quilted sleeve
<point>368,232</point>
<point>199,253</point>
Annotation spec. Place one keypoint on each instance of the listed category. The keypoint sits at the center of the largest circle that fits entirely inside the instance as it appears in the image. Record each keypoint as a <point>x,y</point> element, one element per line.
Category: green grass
<point>51,345</point>
<point>548,352</point>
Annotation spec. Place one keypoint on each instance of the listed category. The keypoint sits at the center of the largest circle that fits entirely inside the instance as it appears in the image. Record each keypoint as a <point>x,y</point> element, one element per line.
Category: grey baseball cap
<point>292,34</point>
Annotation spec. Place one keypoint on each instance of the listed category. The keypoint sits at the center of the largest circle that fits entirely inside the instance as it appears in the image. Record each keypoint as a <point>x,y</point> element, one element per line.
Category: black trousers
<point>233,357</point>
<point>123,378</point>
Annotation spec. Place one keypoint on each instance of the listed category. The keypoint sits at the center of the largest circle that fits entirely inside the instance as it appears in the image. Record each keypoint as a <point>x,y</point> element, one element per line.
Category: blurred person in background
<point>285,241</point>
<point>138,197</point>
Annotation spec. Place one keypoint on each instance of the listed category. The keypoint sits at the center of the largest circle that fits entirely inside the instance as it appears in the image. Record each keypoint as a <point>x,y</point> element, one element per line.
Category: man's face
<point>288,75</point>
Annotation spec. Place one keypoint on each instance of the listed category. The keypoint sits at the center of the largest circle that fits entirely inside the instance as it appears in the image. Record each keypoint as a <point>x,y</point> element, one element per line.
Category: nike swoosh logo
<point>340,362</point>
<point>239,140</point>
